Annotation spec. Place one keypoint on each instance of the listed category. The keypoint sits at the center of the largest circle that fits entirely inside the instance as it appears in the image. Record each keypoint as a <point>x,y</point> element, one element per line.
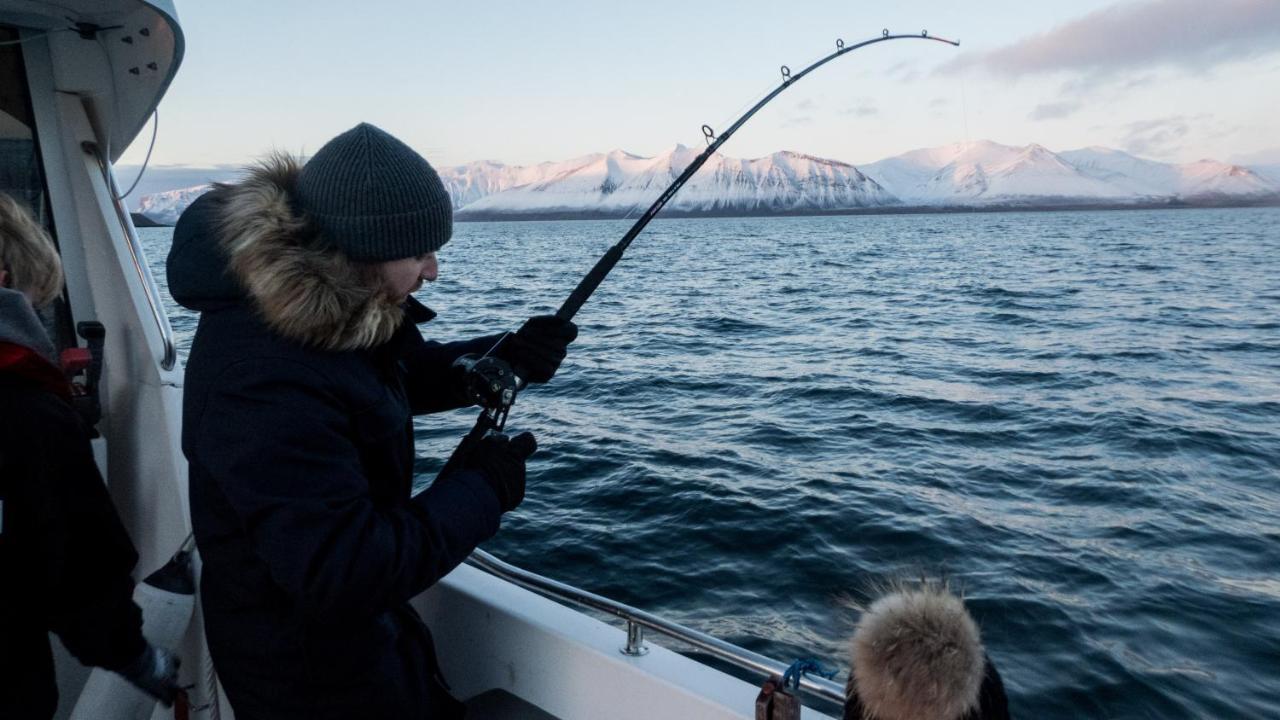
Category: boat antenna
<point>491,382</point>
<point>155,128</point>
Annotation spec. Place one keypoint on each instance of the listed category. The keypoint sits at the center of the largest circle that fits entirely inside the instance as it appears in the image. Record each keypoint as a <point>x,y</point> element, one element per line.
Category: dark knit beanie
<point>374,197</point>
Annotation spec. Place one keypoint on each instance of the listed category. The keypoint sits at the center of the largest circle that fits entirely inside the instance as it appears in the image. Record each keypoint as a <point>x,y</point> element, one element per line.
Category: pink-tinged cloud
<point>1188,33</point>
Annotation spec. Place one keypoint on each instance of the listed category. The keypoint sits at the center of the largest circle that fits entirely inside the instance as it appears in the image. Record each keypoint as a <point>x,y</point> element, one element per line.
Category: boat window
<point>20,174</point>
<point>21,170</point>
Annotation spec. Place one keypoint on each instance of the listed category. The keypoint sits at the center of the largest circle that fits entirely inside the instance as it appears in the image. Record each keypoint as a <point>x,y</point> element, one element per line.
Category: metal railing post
<point>635,646</point>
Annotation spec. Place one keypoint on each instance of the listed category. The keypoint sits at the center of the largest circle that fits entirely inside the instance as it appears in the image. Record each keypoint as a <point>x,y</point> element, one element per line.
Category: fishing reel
<point>491,383</point>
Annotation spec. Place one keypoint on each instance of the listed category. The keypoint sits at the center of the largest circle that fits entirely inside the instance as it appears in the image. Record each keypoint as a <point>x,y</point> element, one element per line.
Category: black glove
<point>501,460</point>
<point>155,672</point>
<point>536,350</point>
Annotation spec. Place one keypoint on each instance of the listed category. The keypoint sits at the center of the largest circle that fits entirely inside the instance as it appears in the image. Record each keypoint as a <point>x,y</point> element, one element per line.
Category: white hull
<point>493,635</point>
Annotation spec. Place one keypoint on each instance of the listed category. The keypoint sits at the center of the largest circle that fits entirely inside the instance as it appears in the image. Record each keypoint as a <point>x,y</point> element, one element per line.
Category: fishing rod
<point>602,267</point>
<point>493,384</point>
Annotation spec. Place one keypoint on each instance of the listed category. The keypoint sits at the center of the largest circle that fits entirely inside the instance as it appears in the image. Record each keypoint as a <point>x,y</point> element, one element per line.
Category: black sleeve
<point>87,555</point>
<point>432,382</point>
<point>276,442</point>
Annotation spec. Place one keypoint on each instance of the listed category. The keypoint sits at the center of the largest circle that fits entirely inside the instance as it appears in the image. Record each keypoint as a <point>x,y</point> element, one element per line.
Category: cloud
<point>1173,138</point>
<point>1188,33</point>
<point>1270,156</point>
<point>800,114</point>
<point>1156,138</point>
<point>860,111</point>
<point>1090,90</point>
<point>1055,110</point>
<point>1137,82</point>
<point>1089,84</point>
<point>904,72</point>
<point>861,107</point>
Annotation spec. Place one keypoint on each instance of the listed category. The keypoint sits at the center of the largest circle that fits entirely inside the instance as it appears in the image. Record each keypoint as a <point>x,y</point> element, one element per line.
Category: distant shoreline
<point>140,220</point>
<point>1274,201</point>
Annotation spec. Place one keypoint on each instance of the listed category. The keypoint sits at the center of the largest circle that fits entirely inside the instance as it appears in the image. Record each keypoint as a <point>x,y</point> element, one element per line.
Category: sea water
<point>1074,417</point>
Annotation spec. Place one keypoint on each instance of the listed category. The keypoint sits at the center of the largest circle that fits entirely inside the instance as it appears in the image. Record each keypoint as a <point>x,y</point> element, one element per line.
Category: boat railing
<point>638,620</point>
<point>169,352</point>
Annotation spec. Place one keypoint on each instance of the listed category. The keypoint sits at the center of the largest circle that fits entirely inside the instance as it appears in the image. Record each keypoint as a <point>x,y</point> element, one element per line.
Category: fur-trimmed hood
<point>248,241</point>
<point>917,655</point>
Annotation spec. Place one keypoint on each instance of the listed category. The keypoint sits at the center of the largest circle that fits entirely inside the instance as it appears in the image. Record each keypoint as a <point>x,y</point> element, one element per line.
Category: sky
<point>525,82</point>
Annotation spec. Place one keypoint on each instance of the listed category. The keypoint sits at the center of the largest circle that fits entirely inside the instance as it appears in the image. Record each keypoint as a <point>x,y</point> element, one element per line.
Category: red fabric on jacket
<point>25,362</point>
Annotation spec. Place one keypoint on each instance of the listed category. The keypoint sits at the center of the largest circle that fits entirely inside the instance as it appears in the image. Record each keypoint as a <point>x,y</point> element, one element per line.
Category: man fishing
<point>303,377</point>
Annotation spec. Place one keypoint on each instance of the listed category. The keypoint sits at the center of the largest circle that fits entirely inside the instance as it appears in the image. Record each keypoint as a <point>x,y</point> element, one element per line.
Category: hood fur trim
<point>917,655</point>
<point>305,289</point>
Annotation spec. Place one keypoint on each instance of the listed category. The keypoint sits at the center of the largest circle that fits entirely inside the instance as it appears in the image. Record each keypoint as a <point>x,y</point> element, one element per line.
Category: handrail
<point>738,657</point>
<point>169,357</point>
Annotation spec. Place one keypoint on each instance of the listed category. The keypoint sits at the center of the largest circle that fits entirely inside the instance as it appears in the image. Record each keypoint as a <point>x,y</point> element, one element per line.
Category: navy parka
<point>301,466</point>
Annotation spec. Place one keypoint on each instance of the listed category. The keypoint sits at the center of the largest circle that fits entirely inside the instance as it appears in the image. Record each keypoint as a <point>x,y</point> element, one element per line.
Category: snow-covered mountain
<point>1270,172</point>
<point>987,173</point>
<point>1210,178</point>
<point>1201,179</point>
<point>981,173</point>
<point>470,182</point>
<point>618,183</point>
<point>1138,177</point>
<point>165,207</point>
<point>984,172</point>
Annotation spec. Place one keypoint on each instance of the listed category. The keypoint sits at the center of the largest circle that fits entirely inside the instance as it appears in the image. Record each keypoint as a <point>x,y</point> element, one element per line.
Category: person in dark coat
<point>304,374</point>
<point>917,655</point>
<point>65,558</point>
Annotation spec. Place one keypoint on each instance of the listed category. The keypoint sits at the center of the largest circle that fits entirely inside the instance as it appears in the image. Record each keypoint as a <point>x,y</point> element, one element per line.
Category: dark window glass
<point>20,174</point>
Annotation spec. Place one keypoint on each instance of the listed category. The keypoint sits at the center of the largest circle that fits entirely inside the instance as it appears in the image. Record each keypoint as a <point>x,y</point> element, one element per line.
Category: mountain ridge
<point>979,174</point>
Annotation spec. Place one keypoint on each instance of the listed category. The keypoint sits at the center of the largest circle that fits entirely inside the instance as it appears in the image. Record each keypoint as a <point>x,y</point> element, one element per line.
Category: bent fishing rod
<point>493,384</point>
